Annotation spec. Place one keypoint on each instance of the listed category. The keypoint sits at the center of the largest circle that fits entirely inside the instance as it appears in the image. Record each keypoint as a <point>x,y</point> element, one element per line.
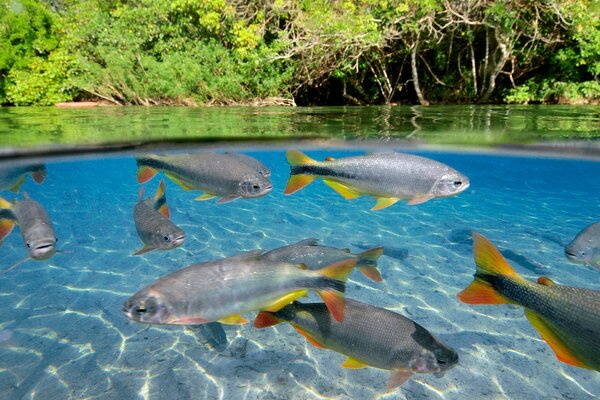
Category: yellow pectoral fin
<point>178,181</point>
<point>384,202</point>
<point>563,353</point>
<point>346,191</point>
<point>234,320</point>
<point>205,196</point>
<point>297,182</point>
<point>285,300</point>
<point>353,363</point>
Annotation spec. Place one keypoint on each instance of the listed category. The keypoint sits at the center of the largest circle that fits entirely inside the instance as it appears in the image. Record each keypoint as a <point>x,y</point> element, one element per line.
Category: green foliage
<point>224,52</point>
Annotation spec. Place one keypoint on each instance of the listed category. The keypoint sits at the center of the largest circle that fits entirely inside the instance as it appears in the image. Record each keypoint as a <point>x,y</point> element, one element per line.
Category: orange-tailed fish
<point>151,217</point>
<point>368,336</point>
<point>217,175</point>
<point>34,223</point>
<point>315,256</point>
<point>567,318</point>
<point>388,177</point>
<point>224,289</point>
<point>13,177</point>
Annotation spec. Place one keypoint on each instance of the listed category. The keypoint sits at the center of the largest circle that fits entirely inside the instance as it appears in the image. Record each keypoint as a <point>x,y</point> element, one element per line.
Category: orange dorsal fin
<point>297,182</point>
<point>551,336</point>
<point>265,319</point>
<point>308,337</point>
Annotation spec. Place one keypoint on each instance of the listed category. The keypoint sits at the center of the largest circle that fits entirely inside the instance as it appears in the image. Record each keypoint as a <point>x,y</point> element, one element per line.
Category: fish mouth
<point>572,256</point>
<point>43,251</point>
<point>178,241</point>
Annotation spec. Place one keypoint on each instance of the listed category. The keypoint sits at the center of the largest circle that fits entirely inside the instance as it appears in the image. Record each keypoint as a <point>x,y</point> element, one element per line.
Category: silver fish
<point>388,177</point>
<point>585,248</point>
<point>151,217</point>
<point>34,223</point>
<point>314,256</point>
<point>368,336</point>
<point>252,163</point>
<point>221,290</point>
<point>218,175</point>
<point>12,178</point>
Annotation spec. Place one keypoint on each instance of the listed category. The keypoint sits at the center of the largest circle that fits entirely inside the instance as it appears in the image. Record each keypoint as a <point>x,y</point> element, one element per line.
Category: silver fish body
<point>372,336</point>
<point>252,163</point>
<point>585,247</point>
<point>315,256</point>
<point>36,228</point>
<point>155,230</point>
<point>215,290</point>
<point>218,175</point>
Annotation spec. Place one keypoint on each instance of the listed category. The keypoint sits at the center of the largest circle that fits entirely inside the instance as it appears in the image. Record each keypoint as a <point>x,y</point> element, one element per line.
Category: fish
<point>217,175</point>
<point>388,177</point>
<point>368,336</point>
<point>12,178</point>
<point>567,318</point>
<point>222,290</point>
<point>314,256</point>
<point>585,247</point>
<point>252,163</point>
<point>151,217</point>
<point>34,223</point>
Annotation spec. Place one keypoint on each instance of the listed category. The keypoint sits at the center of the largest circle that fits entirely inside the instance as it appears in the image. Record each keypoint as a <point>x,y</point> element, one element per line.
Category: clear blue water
<point>64,336</point>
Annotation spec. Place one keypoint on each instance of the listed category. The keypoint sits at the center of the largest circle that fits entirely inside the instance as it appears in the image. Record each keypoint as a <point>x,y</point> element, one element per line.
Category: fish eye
<point>441,362</point>
<point>28,244</point>
<point>140,310</point>
<point>166,238</point>
<point>255,187</point>
<point>457,183</point>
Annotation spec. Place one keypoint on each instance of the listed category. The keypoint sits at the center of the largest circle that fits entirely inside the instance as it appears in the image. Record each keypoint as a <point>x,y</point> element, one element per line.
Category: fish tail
<point>367,263</point>
<point>490,266</point>
<point>7,219</point>
<point>298,179</point>
<point>160,200</point>
<point>335,276</point>
<point>145,172</point>
<point>39,173</point>
<point>265,319</point>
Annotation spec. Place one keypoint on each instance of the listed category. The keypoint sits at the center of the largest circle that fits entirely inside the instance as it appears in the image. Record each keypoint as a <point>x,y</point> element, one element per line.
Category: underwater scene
<point>315,273</point>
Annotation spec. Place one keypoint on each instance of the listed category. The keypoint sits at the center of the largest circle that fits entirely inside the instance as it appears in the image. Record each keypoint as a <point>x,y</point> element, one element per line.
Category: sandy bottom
<point>62,334</point>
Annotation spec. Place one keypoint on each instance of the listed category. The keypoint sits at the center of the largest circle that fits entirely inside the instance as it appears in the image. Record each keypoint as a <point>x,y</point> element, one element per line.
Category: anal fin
<point>384,202</point>
<point>234,320</point>
<point>346,191</point>
<point>353,363</point>
<point>550,336</point>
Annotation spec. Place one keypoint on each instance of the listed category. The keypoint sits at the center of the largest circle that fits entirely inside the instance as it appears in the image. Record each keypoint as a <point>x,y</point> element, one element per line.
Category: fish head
<point>41,248</point>
<point>436,361</point>
<point>450,184</point>
<point>147,307</point>
<point>169,237</point>
<point>254,186</point>
<point>583,252</point>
